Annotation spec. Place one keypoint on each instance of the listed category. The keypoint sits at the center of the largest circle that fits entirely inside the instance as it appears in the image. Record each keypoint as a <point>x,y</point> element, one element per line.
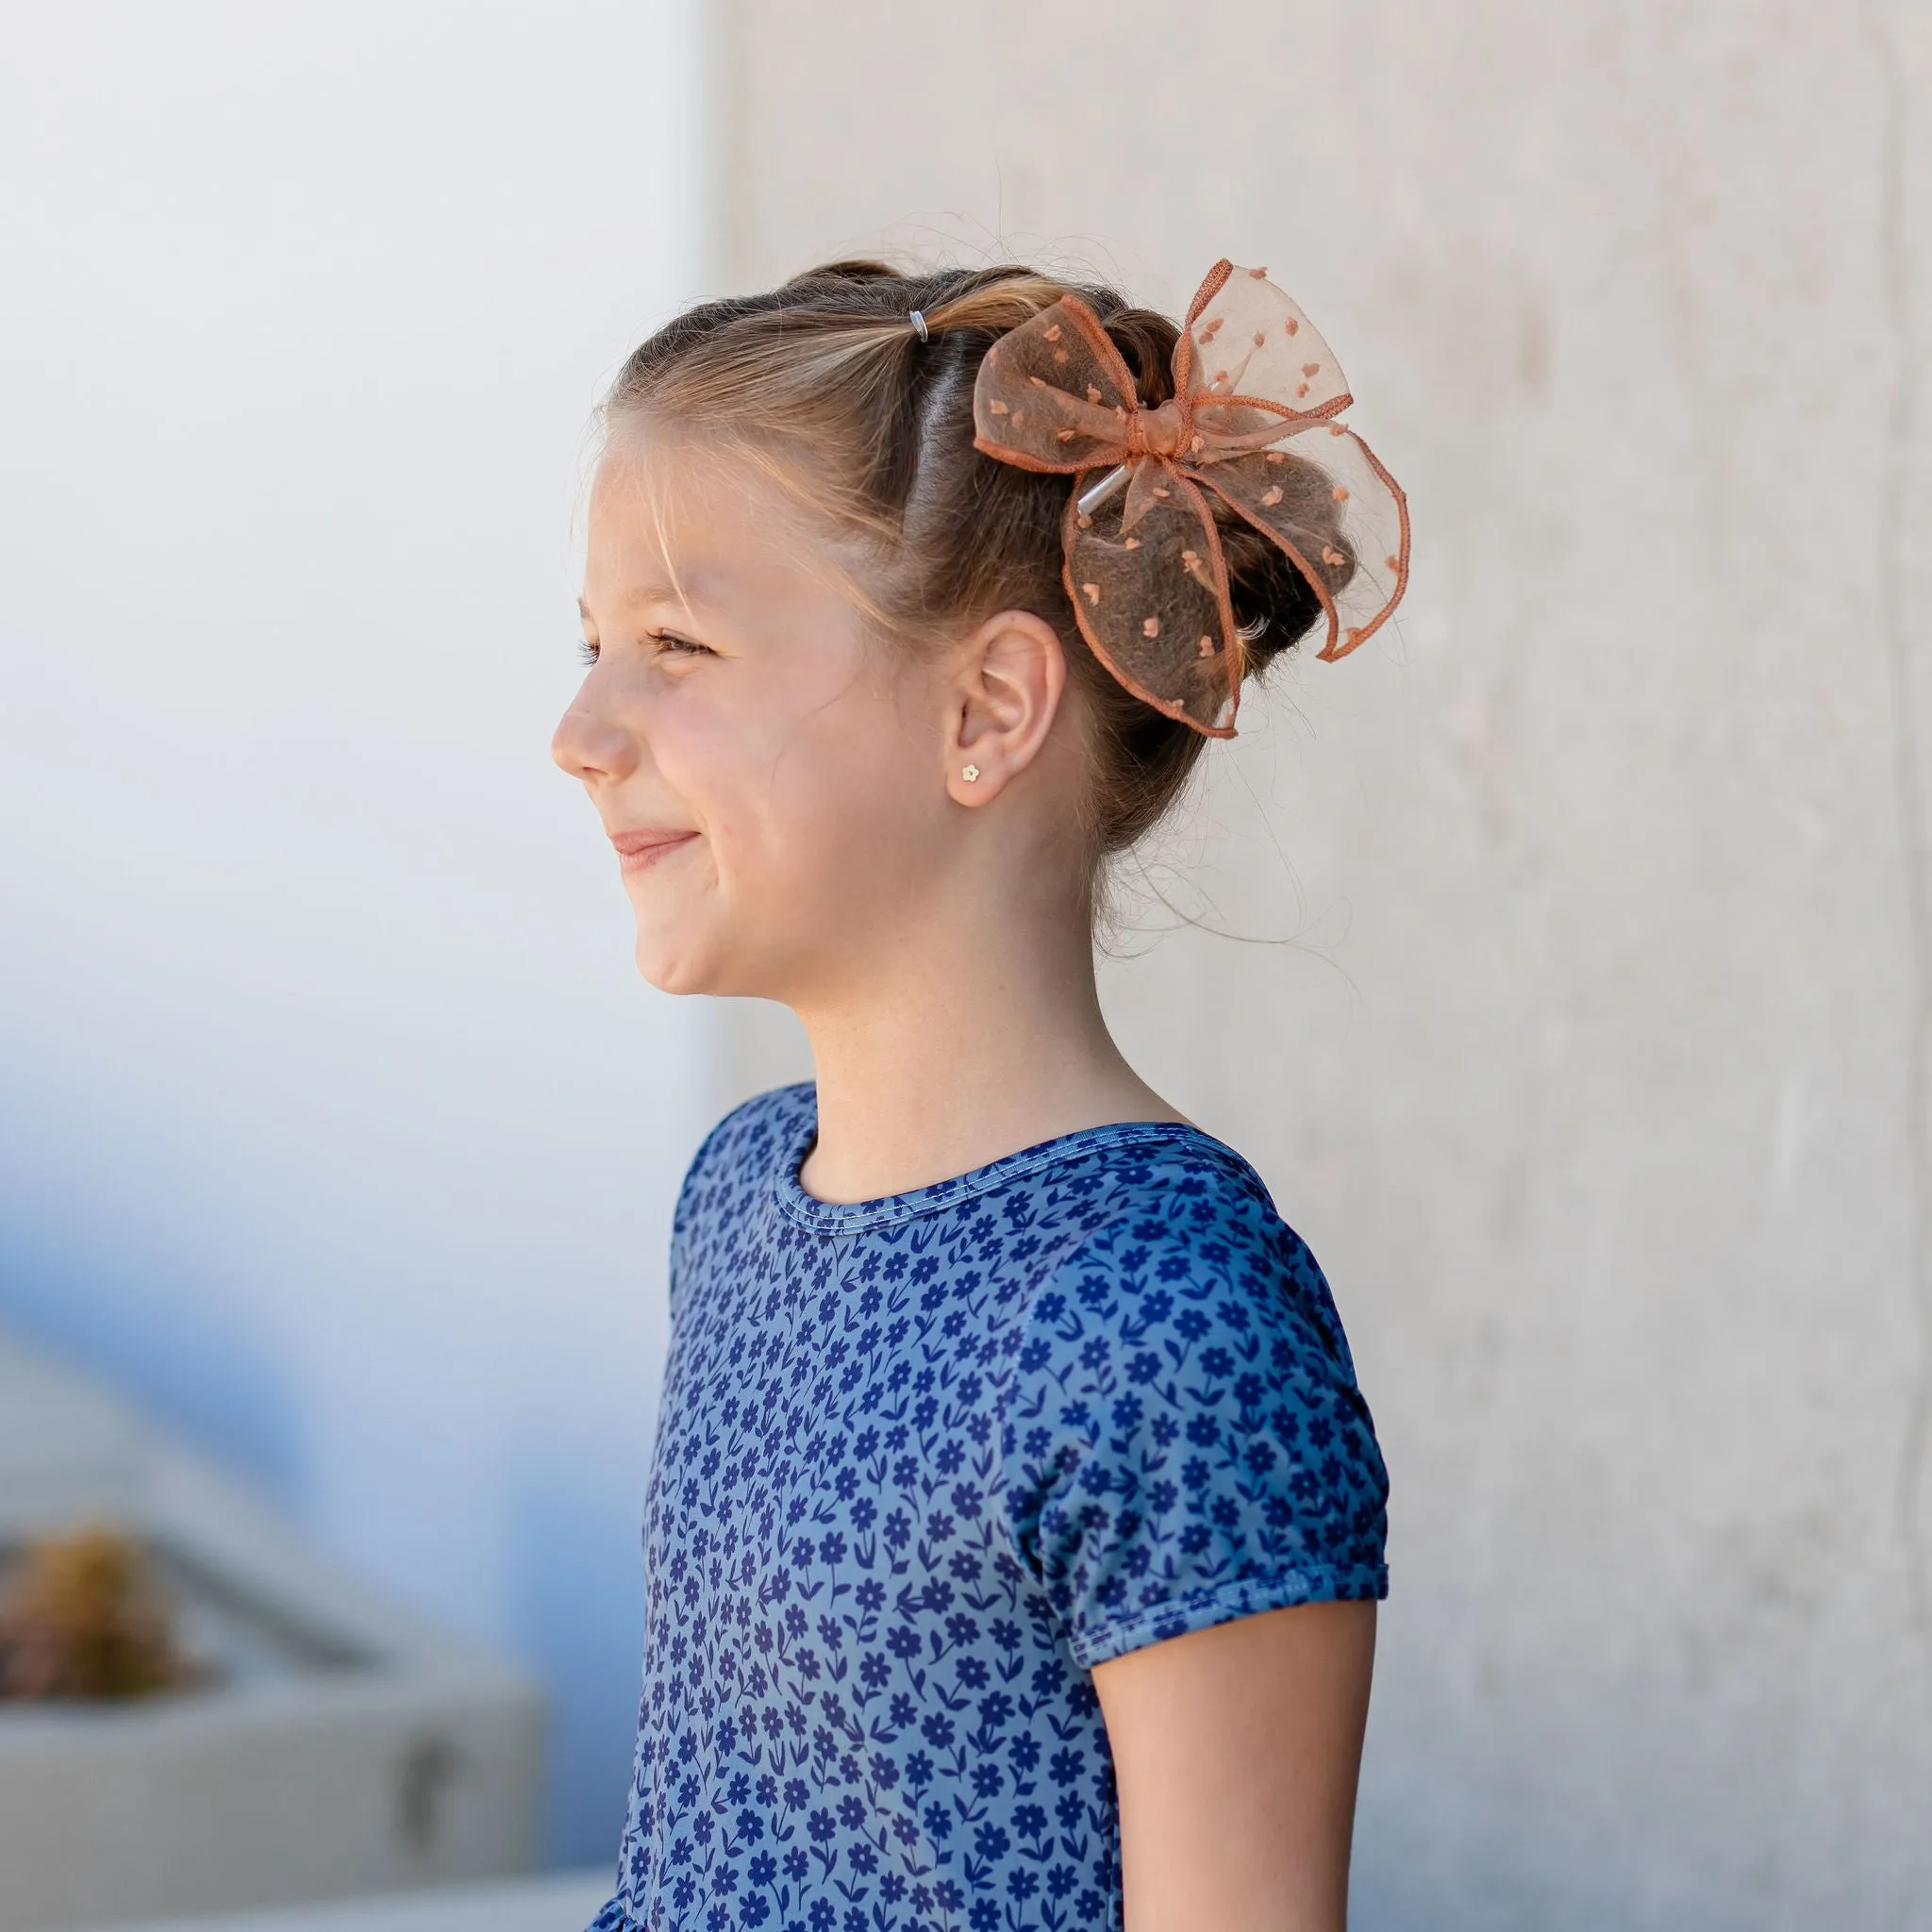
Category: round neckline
<point>854,1217</point>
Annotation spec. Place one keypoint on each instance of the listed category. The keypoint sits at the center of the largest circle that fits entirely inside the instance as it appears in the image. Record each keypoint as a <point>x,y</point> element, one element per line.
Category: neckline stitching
<point>859,1217</point>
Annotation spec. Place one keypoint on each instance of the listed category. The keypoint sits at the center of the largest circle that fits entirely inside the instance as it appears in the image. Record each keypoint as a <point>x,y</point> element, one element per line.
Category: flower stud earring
<point>970,773</point>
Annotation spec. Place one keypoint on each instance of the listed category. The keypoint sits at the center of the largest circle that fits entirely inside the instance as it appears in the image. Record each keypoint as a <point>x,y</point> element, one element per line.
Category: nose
<point>591,746</point>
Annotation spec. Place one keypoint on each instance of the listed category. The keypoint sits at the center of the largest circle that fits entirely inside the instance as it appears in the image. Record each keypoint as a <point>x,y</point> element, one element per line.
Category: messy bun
<point>874,427</point>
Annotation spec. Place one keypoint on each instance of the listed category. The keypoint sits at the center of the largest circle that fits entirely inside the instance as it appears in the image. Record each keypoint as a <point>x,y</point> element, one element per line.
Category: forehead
<point>674,521</point>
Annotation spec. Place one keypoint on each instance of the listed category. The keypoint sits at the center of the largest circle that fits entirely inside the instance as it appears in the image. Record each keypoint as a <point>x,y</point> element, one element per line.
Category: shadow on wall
<point>81,1283</point>
<point>577,1614</point>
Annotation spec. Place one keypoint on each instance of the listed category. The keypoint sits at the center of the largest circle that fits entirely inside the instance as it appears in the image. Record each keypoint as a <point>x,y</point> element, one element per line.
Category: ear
<point>1010,675</point>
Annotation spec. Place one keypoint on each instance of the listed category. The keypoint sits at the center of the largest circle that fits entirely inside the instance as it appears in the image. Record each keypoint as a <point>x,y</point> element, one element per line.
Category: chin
<point>679,948</point>
<point>713,960</point>
<point>673,968</point>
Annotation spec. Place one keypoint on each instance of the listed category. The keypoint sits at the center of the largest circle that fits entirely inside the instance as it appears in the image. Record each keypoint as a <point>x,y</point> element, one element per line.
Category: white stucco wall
<point>337,1124</point>
<point>1599,973</point>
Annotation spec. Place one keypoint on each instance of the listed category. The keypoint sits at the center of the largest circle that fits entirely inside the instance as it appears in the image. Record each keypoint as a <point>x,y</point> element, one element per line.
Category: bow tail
<point>1149,588</point>
<point>1342,520</point>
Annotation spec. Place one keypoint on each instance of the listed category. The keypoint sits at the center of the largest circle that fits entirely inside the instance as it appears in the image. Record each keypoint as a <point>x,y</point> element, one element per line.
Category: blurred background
<point>1563,958</point>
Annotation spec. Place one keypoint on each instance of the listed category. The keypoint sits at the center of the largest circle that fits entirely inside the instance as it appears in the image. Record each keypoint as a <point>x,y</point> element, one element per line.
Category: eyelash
<point>677,646</point>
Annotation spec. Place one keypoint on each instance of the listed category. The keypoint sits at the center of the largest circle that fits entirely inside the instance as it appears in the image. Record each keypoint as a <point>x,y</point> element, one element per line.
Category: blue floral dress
<point>922,1462</point>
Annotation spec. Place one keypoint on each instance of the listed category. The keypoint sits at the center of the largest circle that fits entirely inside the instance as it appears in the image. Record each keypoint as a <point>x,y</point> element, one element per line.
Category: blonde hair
<point>826,383</point>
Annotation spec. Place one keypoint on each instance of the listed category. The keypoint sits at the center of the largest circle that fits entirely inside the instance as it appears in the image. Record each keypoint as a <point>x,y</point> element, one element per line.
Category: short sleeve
<point>1184,1441</point>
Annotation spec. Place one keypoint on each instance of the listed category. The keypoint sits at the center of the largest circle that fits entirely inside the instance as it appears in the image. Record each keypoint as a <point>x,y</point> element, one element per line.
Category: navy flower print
<point>922,1463</point>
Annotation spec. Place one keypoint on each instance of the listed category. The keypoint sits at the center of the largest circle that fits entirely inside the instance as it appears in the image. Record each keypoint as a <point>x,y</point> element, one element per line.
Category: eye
<point>677,646</point>
<point>587,650</point>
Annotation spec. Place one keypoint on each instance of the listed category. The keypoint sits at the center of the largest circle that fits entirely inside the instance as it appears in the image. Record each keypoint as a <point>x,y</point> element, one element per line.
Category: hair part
<point>827,386</point>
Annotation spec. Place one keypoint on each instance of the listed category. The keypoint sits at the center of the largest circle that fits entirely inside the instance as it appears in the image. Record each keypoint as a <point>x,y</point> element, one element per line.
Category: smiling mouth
<point>638,852</point>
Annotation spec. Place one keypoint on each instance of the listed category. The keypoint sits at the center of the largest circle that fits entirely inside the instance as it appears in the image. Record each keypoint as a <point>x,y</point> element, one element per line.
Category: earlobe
<point>1012,672</point>
<point>968,783</point>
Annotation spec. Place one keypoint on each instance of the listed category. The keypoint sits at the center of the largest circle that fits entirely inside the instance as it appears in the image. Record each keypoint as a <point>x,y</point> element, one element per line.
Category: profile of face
<point>785,788</point>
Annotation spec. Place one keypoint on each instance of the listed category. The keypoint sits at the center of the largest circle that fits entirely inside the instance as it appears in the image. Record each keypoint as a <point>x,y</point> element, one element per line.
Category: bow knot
<point>1252,423</point>
<point>1161,432</point>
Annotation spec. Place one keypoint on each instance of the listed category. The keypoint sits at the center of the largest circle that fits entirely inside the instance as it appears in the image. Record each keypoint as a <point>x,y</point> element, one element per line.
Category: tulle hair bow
<point>1256,395</point>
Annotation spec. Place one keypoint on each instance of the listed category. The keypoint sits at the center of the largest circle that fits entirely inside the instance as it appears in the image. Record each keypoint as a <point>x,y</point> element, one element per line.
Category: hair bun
<point>858,270</point>
<point>1275,605</point>
<point>1146,339</point>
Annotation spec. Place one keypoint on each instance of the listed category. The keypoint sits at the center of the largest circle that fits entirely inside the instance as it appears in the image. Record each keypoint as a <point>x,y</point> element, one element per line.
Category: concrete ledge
<point>348,1750</point>
<point>564,1901</point>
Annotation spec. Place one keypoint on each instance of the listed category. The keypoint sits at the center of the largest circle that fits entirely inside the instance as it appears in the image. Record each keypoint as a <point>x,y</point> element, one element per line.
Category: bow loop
<point>1249,340</point>
<point>1053,393</point>
<point>1251,421</point>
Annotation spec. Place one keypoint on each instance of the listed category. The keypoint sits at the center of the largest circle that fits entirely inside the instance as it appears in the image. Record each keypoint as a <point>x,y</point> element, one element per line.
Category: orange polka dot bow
<point>1256,394</point>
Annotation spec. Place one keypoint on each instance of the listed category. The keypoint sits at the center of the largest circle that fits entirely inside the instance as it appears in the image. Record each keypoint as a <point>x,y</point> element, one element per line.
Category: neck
<point>975,1036</point>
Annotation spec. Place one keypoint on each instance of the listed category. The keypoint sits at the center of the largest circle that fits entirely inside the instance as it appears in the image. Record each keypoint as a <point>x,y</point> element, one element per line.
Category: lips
<point>640,851</point>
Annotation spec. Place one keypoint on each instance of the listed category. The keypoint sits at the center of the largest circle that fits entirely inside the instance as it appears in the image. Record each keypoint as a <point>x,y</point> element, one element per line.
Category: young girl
<point>1015,1525</point>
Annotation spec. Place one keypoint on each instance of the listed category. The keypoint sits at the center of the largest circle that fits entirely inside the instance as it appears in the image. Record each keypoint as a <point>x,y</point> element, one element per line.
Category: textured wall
<point>1579,1010</point>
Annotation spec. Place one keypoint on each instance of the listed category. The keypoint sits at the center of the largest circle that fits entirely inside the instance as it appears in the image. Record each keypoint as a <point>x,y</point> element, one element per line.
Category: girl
<point>1015,1526</point>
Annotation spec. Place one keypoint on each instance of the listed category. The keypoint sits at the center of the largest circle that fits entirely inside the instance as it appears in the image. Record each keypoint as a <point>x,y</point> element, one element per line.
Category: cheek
<point>837,810</point>
<point>813,801</point>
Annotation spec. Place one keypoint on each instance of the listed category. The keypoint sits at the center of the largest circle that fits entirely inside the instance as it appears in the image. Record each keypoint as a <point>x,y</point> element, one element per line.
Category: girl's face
<point>771,775</point>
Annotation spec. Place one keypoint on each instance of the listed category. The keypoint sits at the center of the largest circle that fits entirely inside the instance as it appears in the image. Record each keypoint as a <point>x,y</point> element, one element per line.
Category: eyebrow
<point>694,594</point>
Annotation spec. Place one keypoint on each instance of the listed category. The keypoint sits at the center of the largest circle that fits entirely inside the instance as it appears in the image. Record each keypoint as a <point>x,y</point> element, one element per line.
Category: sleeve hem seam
<point>1320,1583</point>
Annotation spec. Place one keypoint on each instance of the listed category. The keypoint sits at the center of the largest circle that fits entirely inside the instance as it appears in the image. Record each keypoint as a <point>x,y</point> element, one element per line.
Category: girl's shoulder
<point>1183,1227</point>
<point>1172,1171</point>
<point>1184,1440</point>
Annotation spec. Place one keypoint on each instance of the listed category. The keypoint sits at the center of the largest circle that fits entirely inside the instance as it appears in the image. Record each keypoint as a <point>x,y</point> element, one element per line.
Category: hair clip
<point>1257,393</point>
